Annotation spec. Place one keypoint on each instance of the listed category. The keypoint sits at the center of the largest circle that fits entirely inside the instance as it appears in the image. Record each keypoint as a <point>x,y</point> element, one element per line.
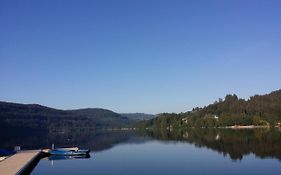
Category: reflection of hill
<point>236,143</point>
<point>95,140</point>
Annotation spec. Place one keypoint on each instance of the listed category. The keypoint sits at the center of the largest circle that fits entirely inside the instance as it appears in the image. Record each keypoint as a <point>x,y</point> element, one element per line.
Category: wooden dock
<point>20,163</point>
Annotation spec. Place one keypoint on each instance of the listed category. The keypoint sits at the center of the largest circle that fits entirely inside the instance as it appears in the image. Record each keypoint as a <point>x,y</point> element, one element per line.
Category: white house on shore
<point>216,117</point>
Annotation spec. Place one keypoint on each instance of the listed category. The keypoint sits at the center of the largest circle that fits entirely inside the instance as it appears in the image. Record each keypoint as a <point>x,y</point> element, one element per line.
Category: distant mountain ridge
<point>138,116</point>
<point>34,116</point>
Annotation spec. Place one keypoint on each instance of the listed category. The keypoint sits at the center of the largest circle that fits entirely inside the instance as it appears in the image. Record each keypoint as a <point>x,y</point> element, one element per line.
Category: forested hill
<point>230,111</point>
<point>33,116</point>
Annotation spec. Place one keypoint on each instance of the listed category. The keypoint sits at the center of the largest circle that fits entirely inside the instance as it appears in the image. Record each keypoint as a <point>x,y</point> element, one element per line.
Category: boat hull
<point>59,152</point>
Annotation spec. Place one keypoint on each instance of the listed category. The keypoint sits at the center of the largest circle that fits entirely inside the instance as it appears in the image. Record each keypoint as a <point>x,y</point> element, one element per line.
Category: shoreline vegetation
<point>259,111</point>
<point>234,127</point>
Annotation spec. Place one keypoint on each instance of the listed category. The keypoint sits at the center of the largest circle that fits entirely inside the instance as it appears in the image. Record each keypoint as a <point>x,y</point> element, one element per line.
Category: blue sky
<point>138,56</point>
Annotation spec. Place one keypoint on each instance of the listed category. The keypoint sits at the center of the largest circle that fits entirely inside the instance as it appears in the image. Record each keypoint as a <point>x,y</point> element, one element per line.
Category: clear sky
<point>138,55</point>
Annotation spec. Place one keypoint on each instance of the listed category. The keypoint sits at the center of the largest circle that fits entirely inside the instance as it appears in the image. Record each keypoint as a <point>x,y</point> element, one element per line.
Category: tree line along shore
<point>230,112</point>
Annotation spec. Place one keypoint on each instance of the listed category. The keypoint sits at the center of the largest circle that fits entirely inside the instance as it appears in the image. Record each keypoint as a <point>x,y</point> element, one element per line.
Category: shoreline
<point>225,127</point>
<point>245,126</point>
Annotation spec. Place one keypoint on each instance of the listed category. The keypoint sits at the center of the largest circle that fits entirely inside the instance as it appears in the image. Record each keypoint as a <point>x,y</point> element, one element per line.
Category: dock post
<point>17,148</point>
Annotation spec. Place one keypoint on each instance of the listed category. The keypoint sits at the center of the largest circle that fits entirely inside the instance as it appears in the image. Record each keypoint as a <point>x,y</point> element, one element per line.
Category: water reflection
<point>56,157</point>
<point>263,143</point>
<point>96,140</point>
<point>235,143</point>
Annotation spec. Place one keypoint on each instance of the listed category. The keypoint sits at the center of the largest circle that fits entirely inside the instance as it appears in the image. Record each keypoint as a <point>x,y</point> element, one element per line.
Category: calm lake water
<point>194,151</point>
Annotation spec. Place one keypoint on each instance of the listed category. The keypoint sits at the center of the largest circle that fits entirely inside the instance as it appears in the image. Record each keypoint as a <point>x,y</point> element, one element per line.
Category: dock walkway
<point>19,162</point>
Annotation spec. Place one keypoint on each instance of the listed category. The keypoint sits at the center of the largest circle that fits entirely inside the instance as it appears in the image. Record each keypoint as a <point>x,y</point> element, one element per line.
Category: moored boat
<point>67,152</point>
<point>72,151</point>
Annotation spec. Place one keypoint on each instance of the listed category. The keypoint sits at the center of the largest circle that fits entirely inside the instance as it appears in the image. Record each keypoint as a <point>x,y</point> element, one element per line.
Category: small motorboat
<point>68,152</point>
<point>6,152</point>
<point>73,151</point>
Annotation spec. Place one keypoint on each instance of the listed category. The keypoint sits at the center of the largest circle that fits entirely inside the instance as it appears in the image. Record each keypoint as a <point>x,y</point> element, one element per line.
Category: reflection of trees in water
<point>236,143</point>
<point>94,140</point>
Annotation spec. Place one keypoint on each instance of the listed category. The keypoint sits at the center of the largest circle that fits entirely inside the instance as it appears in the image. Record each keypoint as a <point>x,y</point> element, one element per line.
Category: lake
<point>193,151</point>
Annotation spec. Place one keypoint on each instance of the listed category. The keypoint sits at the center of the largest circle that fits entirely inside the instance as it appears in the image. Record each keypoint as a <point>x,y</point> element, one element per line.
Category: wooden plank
<point>17,162</point>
